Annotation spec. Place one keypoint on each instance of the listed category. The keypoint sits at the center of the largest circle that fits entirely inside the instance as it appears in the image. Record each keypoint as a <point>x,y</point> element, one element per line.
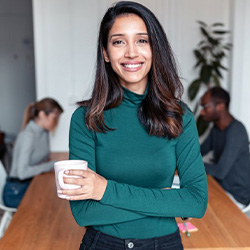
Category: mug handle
<point>60,179</point>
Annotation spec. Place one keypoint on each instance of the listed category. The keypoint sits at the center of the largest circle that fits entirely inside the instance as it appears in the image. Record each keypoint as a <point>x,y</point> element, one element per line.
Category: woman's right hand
<point>92,185</point>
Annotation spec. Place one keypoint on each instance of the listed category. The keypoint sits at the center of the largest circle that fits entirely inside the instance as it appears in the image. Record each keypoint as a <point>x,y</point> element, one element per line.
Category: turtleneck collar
<point>133,98</point>
<point>32,125</point>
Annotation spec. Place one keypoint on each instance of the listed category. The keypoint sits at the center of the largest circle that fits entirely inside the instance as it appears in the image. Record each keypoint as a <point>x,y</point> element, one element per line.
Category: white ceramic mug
<point>60,167</point>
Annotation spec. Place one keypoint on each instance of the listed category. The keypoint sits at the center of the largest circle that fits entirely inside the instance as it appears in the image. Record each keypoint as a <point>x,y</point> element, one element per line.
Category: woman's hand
<point>92,185</point>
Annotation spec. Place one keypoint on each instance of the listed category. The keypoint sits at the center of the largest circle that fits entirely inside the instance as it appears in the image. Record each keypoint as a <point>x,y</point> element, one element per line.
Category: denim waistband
<point>16,180</point>
<point>171,241</point>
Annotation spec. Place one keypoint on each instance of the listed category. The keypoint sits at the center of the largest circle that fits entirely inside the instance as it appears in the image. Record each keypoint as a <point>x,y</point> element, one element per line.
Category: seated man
<point>229,142</point>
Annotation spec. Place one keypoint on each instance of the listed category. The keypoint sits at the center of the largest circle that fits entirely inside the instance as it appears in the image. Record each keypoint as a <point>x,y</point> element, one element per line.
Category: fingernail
<point>59,191</point>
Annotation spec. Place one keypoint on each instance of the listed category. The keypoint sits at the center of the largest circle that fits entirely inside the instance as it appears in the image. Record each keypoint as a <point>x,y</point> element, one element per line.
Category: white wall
<point>65,40</point>
<point>65,45</point>
<point>240,88</point>
<point>17,80</point>
<point>179,19</point>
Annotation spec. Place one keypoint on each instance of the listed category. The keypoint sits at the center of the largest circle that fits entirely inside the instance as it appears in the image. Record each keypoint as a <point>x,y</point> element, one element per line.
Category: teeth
<point>131,66</point>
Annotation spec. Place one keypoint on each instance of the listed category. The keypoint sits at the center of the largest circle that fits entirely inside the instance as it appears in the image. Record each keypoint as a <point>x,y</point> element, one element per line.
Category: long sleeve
<point>188,201</point>
<point>229,155</point>
<point>91,212</point>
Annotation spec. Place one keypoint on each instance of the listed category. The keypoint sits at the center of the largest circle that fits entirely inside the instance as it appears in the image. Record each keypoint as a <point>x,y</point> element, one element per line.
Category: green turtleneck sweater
<point>138,166</point>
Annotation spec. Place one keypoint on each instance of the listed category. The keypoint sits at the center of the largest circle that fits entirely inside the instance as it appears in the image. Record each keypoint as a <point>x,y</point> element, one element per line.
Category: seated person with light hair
<point>31,150</point>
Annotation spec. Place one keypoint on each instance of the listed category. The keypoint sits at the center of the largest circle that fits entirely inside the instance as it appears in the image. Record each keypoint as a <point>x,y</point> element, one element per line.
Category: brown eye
<point>118,42</point>
<point>143,41</point>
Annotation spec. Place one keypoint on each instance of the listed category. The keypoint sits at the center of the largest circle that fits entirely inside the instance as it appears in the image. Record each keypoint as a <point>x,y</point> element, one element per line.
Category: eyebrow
<point>138,34</point>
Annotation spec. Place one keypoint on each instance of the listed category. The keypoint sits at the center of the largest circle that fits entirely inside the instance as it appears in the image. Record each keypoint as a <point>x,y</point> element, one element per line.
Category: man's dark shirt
<point>231,166</point>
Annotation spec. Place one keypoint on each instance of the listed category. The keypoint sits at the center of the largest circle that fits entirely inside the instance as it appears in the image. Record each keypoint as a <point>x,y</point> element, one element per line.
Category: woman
<point>134,132</point>
<point>31,149</point>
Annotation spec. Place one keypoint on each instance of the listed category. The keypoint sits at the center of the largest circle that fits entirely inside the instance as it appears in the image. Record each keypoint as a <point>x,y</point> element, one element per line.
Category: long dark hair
<point>47,105</point>
<point>160,112</point>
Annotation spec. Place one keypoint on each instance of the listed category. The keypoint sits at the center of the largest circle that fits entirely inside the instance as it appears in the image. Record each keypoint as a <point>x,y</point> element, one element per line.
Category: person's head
<point>128,52</point>
<point>131,13</point>
<point>133,50</point>
<point>45,113</point>
<point>214,103</point>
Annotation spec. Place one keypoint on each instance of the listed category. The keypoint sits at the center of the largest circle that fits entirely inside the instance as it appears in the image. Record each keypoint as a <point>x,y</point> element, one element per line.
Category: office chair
<point>8,211</point>
<point>246,209</point>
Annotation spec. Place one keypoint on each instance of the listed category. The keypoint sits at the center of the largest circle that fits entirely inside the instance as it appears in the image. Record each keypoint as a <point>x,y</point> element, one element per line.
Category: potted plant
<point>209,54</point>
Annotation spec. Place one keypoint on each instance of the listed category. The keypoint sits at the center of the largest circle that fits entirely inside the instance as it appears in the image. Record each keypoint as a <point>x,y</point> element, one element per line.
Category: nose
<point>131,51</point>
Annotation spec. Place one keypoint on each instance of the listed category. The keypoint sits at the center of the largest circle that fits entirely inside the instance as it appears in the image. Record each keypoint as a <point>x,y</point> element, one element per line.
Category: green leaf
<point>206,47</point>
<point>194,88</point>
<point>229,44</point>
<point>227,47</point>
<point>216,81</point>
<point>201,125</point>
<point>205,74</point>
<point>218,72</point>
<point>220,55</point>
<point>204,32</point>
<point>213,41</point>
<point>198,54</point>
<point>198,63</point>
<point>221,32</point>
<point>201,42</point>
<point>202,23</point>
<point>218,24</point>
<point>215,64</point>
<point>222,67</point>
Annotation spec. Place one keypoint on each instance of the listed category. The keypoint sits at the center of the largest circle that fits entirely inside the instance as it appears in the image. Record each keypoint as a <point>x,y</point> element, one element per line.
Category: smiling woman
<point>134,132</point>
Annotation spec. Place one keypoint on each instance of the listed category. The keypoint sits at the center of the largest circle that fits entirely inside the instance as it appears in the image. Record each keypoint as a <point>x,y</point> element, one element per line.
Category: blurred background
<point>48,48</point>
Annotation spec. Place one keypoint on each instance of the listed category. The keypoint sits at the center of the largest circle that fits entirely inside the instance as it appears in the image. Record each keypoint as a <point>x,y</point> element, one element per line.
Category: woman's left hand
<point>92,185</point>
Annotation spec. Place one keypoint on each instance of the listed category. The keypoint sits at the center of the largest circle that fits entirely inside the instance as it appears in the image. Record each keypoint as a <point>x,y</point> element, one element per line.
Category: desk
<point>44,222</point>
<point>224,226</point>
<point>59,156</point>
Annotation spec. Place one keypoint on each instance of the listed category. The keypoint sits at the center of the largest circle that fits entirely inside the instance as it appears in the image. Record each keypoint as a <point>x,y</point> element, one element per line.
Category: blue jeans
<point>14,191</point>
<point>95,240</point>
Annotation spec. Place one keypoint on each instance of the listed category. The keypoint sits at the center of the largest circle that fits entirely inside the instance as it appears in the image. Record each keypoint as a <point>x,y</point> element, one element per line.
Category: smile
<point>132,66</point>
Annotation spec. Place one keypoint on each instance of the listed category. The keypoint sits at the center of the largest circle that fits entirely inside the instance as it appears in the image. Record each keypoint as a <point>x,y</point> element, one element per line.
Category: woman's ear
<point>41,114</point>
<point>105,55</point>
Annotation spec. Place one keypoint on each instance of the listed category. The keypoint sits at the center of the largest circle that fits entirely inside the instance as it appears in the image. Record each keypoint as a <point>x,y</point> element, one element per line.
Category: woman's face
<point>49,121</point>
<point>129,52</point>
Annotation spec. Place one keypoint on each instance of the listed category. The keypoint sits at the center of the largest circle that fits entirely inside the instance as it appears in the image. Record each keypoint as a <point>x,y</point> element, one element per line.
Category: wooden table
<point>44,222</point>
<point>224,226</point>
